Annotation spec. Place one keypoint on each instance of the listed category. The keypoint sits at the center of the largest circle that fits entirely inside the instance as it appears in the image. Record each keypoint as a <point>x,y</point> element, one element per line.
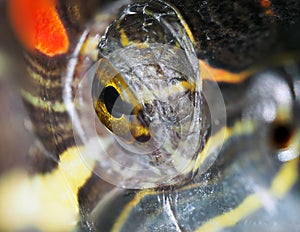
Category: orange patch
<point>38,26</point>
<point>269,12</point>
<point>214,74</point>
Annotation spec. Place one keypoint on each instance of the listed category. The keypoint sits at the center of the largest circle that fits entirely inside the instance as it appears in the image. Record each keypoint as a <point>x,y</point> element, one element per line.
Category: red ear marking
<point>265,3</point>
<point>38,26</point>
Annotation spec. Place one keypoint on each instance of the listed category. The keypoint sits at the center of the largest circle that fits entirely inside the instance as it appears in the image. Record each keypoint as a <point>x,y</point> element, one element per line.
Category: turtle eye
<point>112,101</point>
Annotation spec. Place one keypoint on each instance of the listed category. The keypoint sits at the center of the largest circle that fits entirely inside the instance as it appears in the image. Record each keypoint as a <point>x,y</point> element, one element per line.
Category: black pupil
<point>113,103</point>
<point>281,135</point>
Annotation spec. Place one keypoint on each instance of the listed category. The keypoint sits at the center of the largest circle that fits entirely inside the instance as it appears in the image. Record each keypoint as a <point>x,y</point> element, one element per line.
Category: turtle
<point>158,116</point>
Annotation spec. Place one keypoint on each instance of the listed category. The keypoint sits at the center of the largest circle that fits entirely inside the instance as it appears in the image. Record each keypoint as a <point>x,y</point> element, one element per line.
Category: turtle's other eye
<point>281,135</point>
<point>110,97</point>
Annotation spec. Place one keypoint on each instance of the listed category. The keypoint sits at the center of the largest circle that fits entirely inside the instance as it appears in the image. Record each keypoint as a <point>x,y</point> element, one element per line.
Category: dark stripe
<point>76,13</point>
<point>44,75</point>
<point>46,67</point>
<point>105,219</point>
<point>34,79</point>
<point>49,127</point>
<point>53,95</point>
<point>56,144</point>
<point>39,162</point>
<point>70,15</point>
<point>92,192</point>
<point>39,115</point>
<point>45,129</point>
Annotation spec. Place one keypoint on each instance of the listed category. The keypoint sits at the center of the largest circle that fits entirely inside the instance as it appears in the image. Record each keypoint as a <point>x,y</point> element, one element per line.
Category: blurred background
<point>15,139</point>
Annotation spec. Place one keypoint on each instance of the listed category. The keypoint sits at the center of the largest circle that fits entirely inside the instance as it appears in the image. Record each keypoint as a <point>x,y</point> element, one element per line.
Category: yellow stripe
<point>46,202</point>
<point>124,39</point>
<point>184,24</point>
<point>239,128</point>
<point>282,183</point>
<point>213,143</point>
<point>125,213</point>
<point>249,205</point>
<point>43,104</point>
<point>286,178</point>
<point>74,168</point>
<point>187,29</point>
